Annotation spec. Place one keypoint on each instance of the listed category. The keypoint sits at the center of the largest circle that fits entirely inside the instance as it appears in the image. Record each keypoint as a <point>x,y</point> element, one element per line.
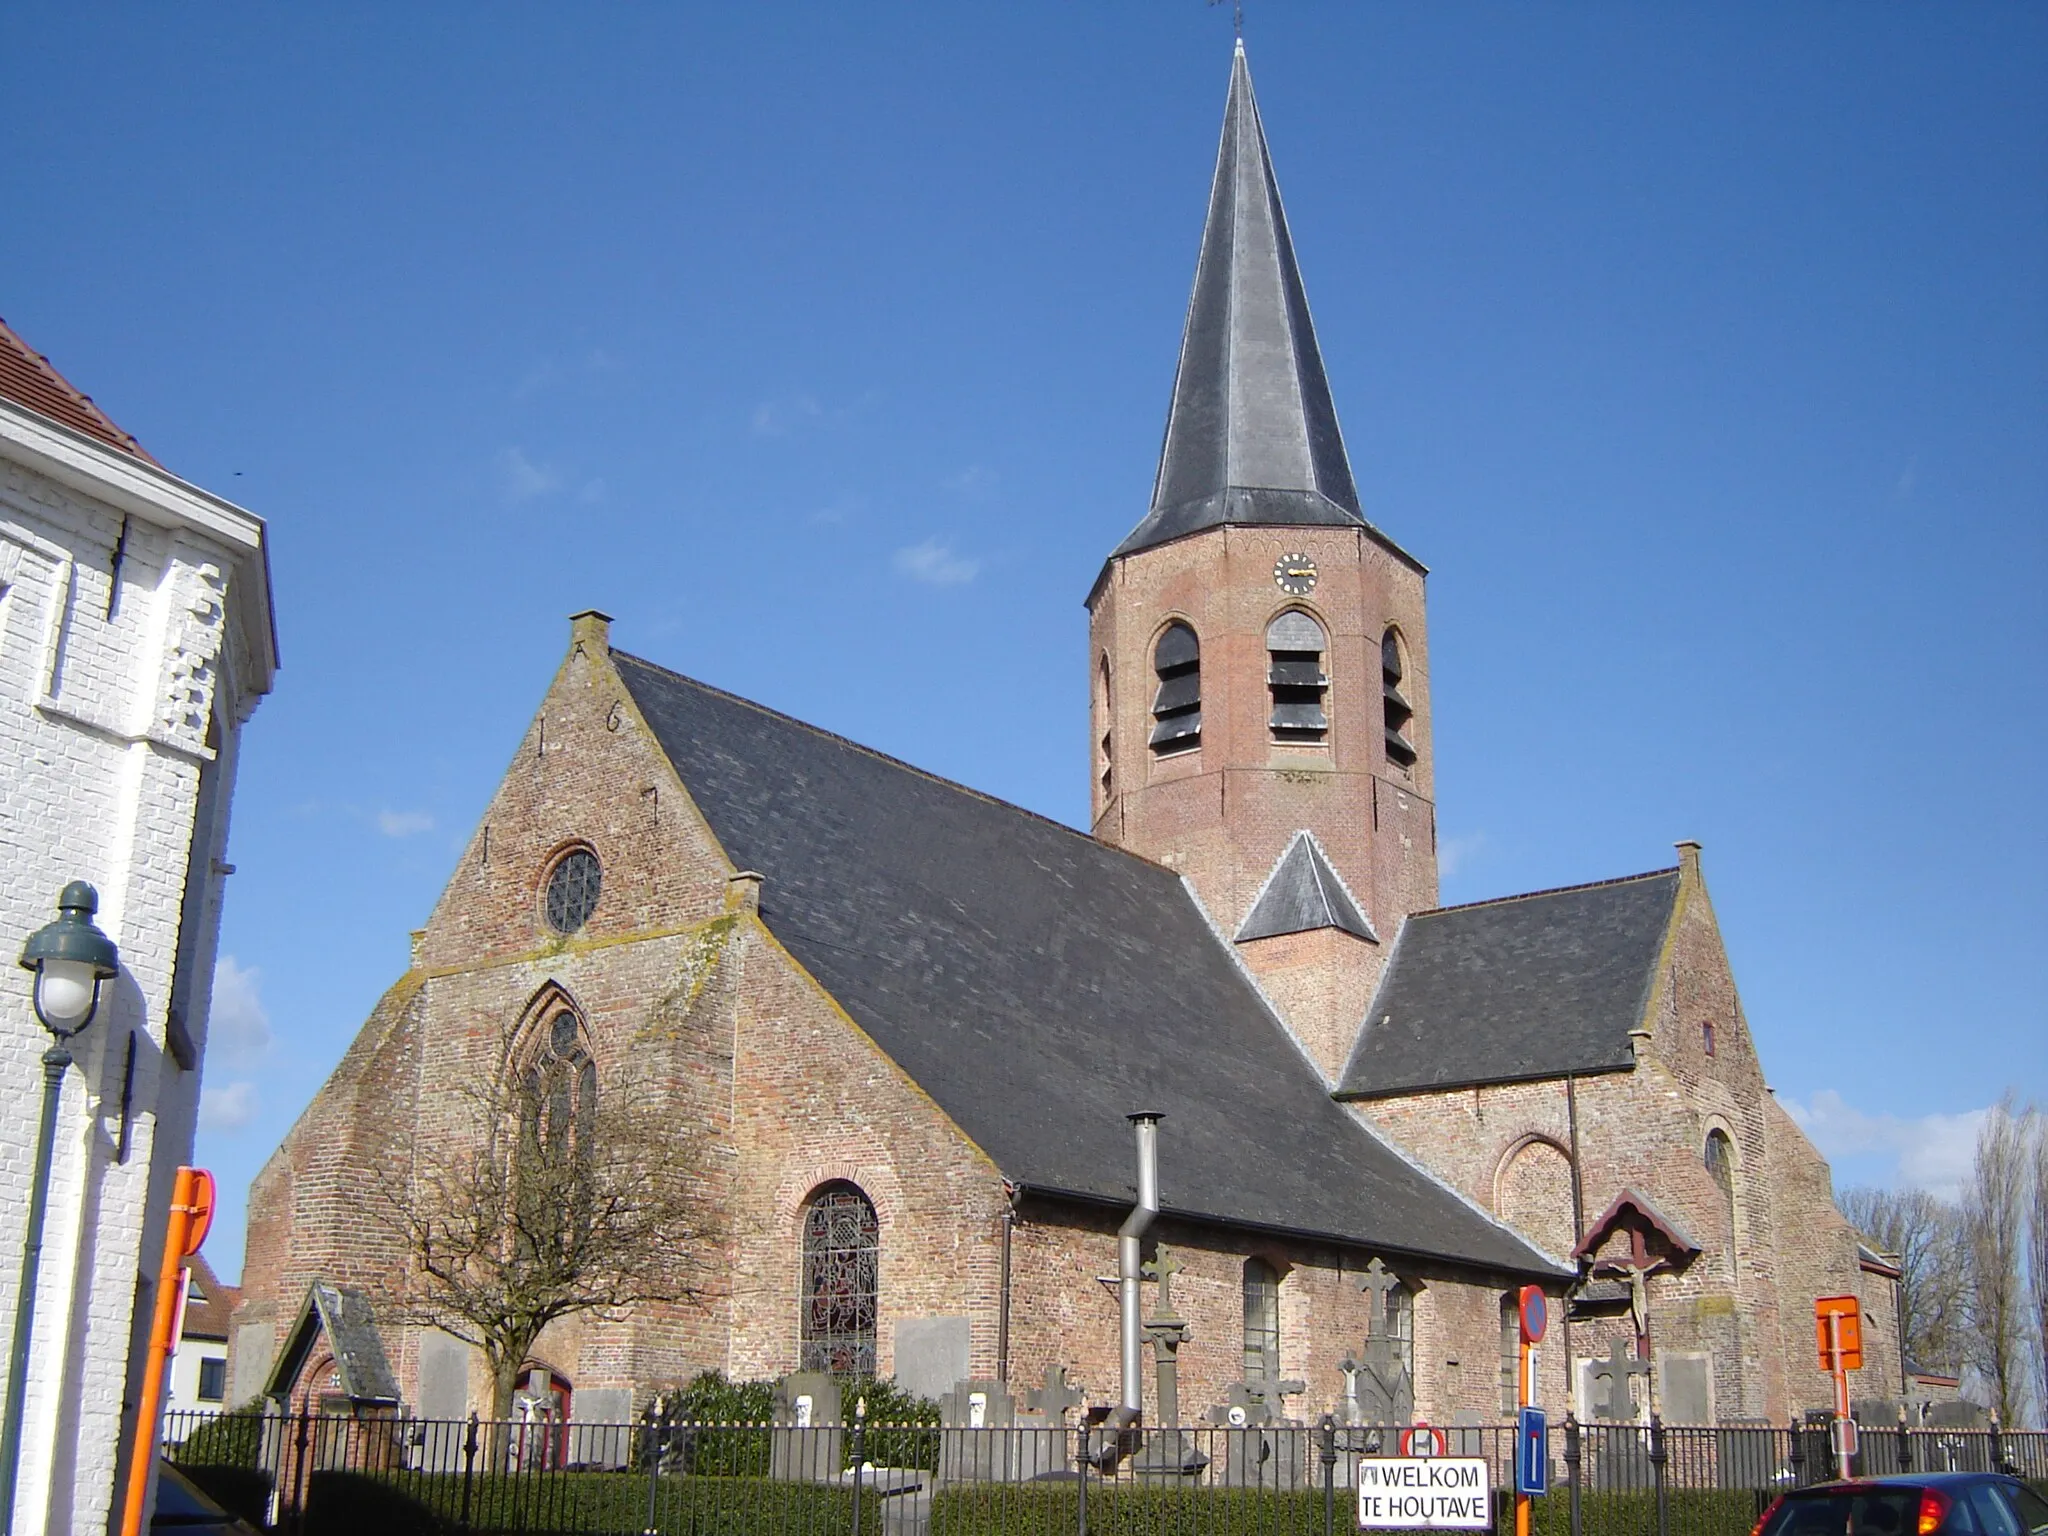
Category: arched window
<point>1720,1161</point>
<point>1177,709</point>
<point>1707,1037</point>
<point>1294,650</point>
<point>1261,1319</point>
<point>1397,710</point>
<point>1105,717</point>
<point>841,1267</point>
<point>558,1091</point>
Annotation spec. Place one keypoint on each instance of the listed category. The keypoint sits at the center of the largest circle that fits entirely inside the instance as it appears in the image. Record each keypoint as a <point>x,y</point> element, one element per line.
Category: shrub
<point>573,1503</point>
<point>231,1439</point>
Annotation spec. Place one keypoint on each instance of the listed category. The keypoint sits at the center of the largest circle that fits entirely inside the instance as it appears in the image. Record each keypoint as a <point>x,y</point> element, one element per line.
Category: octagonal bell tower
<point>1260,668</point>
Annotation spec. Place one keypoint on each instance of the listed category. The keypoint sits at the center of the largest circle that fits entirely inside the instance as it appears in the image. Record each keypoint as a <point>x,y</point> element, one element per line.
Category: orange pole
<point>1521,1398</point>
<point>186,1203</point>
<point>1841,1376</point>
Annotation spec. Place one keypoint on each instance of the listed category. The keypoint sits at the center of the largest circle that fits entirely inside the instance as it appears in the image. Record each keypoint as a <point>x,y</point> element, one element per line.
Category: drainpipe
<point>1128,1240</point>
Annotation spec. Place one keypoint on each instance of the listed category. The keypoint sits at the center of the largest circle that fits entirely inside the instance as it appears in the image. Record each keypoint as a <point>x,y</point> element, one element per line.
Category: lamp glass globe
<point>64,990</point>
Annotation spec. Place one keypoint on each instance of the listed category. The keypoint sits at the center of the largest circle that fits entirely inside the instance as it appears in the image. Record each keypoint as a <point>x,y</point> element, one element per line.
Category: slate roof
<point>1251,435</point>
<point>27,378</point>
<point>1303,893</point>
<point>346,1318</point>
<point>1040,986</point>
<point>208,1304</point>
<point>1524,987</point>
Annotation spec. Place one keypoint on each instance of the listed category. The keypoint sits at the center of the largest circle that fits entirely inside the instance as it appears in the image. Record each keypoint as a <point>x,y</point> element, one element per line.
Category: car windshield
<point>1848,1512</point>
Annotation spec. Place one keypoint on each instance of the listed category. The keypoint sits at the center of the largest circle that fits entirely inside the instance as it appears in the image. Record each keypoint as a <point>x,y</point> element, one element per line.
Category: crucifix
<point>1388,1395</point>
<point>1619,1403</point>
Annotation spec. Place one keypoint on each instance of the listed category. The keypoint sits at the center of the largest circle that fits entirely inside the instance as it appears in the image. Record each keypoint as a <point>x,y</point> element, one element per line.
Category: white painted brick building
<point>135,640</point>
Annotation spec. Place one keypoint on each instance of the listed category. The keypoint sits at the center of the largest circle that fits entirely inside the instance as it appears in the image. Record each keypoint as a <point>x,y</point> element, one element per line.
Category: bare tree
<point>552,1194</point>
<point>2037,1243</point>
<point>1923,1233</point>
<point>1994,1217</point>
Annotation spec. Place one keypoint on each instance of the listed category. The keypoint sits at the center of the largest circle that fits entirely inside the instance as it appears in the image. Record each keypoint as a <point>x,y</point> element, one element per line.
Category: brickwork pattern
<point>110,673</point>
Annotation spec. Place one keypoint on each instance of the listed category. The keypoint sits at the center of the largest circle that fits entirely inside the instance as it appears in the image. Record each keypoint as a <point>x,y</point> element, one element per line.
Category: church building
<point>910,1022</point>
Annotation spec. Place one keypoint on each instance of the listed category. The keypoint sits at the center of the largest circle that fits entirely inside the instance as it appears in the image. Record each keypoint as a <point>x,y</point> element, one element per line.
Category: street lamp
<point>70,957</point>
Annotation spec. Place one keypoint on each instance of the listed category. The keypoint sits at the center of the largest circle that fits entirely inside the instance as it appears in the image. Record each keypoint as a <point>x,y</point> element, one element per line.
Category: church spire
<point>1252,435</point>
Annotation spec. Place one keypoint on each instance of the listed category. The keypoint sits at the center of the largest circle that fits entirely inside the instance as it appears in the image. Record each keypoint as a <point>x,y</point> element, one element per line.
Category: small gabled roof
<point>1251,434</point>
<point>209,1305</point>
<point>1039,986</point>
<point>1522,987</point>
<point>345,1317</point>
<point>1655,1239</point>
<point>1303,893</point>
<point>27,379</point>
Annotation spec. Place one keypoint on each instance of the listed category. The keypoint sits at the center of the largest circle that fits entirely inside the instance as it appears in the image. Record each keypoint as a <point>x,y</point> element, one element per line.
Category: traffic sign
<point>1432,1442</point>
<point>1847,1328</point>
<point>1532,1452</point>
<point>1535,1314</point>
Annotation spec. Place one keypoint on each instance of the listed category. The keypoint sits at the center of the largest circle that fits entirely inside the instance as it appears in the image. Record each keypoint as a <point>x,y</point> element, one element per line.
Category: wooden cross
<point>1616,1370</point>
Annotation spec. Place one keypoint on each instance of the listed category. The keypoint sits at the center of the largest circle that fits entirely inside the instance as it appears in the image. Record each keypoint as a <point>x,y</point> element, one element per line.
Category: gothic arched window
<point>559,1093</point>
<point>1105,715</point>
<point>1294,650</point>
<point>841,1268</point>
<point>1396,709</point>
<point>1720,1161</point>
<point>1261,1318</point>
<point>1177,708</point>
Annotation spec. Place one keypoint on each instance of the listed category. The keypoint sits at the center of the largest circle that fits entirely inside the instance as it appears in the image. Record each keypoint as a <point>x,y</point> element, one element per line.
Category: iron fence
<point>316,1475</point>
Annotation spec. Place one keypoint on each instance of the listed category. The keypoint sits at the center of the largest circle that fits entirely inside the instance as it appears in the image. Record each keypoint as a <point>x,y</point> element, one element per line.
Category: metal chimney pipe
<point>1129,1237</point>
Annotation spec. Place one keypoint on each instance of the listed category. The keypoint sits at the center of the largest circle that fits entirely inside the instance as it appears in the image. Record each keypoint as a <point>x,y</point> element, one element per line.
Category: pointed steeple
<point>1252,434</point>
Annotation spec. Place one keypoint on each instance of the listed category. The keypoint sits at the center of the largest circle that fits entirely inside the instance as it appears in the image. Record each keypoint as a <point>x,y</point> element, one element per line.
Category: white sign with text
<point>1428,1493</point>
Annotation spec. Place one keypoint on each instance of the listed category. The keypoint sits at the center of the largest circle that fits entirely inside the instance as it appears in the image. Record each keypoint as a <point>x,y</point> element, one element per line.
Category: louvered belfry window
<point>1177,709</point>
<point>1397,709</point>
<point>1294,649</point>
<point>841,1270</point>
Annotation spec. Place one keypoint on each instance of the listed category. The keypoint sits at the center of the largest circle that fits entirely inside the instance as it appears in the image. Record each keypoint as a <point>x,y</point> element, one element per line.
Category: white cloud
<point>523,479</point>
<point>230,1107</point>
<point>238,1025</point>
<point>838,511</point>
<point>1932,1152</point>
<point>778,418</point>
<point>1455,853</point>
<point>404,823</point>
<point>936,564</point>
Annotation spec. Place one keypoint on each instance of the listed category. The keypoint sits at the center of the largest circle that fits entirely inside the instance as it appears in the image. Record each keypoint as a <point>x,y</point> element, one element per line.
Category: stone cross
<point>1379,1282</point>
<point>1055,1397</point>
<point>1615,1370</point>
<point>1269,1388</point>
<point>1163,1268</point>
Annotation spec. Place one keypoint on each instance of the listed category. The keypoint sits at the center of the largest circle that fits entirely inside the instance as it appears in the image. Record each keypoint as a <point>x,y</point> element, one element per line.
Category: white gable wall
<point>105,773</point>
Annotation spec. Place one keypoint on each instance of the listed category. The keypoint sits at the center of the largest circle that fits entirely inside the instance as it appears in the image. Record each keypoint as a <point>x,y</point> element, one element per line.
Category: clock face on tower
<point>1295,575</point>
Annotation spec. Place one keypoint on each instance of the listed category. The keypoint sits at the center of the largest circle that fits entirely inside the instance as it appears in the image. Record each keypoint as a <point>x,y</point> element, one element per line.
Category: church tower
<point>1260,672</point>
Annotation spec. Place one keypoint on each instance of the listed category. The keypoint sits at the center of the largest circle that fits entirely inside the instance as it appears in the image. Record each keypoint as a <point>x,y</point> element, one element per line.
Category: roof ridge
<point>1555,890</point>
<point>894,762</point>
<point>34,384</point>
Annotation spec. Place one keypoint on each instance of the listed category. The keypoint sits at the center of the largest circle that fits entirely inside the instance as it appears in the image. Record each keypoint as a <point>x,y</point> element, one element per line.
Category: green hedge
<point>243,1491</point>
<point>232,1439</point>
<point>576,1504</point>
<point>1048,1509</point>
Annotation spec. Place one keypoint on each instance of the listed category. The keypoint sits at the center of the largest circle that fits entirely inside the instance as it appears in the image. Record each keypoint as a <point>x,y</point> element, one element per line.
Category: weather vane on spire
<point>1236,16</point>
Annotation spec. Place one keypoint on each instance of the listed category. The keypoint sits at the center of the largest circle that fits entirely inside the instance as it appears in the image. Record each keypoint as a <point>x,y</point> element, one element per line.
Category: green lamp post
<point>70,958</point>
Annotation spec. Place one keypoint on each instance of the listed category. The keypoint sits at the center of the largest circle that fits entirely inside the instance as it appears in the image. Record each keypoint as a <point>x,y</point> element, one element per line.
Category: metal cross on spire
<point>1236,16</point>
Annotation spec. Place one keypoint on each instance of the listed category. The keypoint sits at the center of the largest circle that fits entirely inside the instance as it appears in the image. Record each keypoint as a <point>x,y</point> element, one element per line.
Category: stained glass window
<point>572,890</point>
<point>841,1254</point>
<point>1720,1160</point>
<point>561,1090</point>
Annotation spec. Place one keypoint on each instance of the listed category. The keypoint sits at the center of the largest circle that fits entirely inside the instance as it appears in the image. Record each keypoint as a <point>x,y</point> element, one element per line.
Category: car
<point>1929,1504</point>
<point>183,1509</point>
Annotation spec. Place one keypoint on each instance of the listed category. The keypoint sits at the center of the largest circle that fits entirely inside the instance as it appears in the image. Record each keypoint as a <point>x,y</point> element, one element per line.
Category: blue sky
<point>1699,350</point>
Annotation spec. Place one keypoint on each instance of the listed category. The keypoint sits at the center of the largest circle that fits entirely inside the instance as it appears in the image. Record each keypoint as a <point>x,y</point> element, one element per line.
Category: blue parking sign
<point>1532,1452</point>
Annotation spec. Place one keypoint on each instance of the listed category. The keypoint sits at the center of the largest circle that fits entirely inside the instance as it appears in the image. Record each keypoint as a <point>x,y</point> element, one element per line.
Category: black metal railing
<point>311,1474</point>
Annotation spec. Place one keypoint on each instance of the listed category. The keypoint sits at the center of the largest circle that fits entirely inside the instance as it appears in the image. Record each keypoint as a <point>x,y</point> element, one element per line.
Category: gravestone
<point>443,1402</point>
<point>978,1437</point>
<point>1262,1447</point>
<point>1467,1434</point>
<point>1617,1404</point>
<point>1686,1389</point>
<point>601,1428</point>
<point>1379,1386</point>
<point>807,1443</point>
<point>932,1353</point>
